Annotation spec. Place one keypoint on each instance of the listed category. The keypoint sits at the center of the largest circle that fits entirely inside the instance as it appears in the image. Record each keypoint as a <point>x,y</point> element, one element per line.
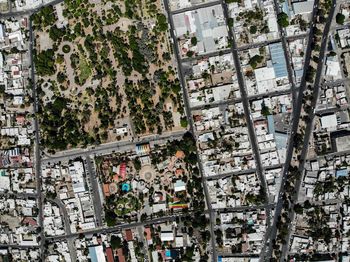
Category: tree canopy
<point>340,18</point>
<point>282,19</point>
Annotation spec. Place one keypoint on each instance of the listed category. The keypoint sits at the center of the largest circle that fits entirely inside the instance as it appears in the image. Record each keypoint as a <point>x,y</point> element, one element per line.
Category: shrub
<point>282,19</point>
<point>340,18</point>
<point>45,62</point>
<point>253,29</point>
<point>194,41</point>
<point>66,49</point>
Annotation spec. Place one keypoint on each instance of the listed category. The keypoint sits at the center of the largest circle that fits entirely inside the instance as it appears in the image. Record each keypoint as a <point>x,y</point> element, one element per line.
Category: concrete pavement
<point>94,189</point>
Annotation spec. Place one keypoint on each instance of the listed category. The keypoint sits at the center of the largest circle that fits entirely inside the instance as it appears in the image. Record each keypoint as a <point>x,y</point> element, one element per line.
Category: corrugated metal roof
<point>278,60</point>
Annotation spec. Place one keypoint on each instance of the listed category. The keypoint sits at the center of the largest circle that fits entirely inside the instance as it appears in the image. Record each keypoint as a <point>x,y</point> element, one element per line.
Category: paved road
<point>240,172</point>
<point>240,255</point>
<point>250,124</point>
<point>140,230</point>
<point>237,100</point>
<point>154,221</point>
<point>230,174</point>
<point>244,208</point>
<point>63,209</point>
<point>190,121</point>
<point>28,11</point>
<point>37,155</point>
<point>338,27</point>
<point>273,41</point>
<point>309,127</point>
<point>332,110</point>
<point>245,103</point>
<point>206,55</point>
<point>346,152</point>
<point>296,116</point>
<point>19,195</point>
<point>110,147</point>
<point>95,191</point>
<point>241,48</point>
<point>194,7</point>
<point>290,72</point>
<point>16,246</point>
<point>118,228</point>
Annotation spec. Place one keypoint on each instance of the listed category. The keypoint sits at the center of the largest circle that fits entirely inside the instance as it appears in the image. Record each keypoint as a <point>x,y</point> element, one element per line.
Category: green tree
<point>194,40</point>
<point>110,217</point>
<point>253,29</point>
<point>116,242</point>
<point>230,22</point>
<point>183,122</point>
<point>265,111</point>
<point>190,53</point>
<point>45,17</point>
<point>255,60</point>
<point>61,77</point>
<point>45,62</point>
<point>162,22</point>
<point>340,18</point>
<point>137,163</point>
<point>66,49</point>
<point>282,19</point>
<point>56,34</point>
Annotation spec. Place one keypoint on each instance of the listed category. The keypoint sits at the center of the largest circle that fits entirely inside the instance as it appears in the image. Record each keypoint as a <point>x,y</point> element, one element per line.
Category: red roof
<point>128,235</point>
<point>109,254</point>
<point>116,178</point>
<point>30,221</point>
<point>148,233</point>
<point>20,119</point>
<point>179,171</point>
<point>24,22</point>
<point>197,118</point>
<point>122,170</point>
<point>120,255</point>
<point>106,189</point>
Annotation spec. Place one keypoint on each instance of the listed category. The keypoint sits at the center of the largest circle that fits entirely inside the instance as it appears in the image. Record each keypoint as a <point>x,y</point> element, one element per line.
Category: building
<point>329,121</point>
<point>303,7</point>
<point>96,254</point>
<point>278,60</point>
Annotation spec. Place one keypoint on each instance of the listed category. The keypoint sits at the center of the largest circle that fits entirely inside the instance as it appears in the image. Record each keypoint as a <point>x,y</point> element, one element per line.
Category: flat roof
<point>341,172</point>
<point>278,60</point>
<point>303,7</point>
<point>328,121</point>
<point>96,254</point>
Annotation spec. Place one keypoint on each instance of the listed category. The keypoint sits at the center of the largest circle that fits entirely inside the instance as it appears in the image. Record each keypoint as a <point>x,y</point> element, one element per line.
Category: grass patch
<point>85,70</point>
<point>127,204</point>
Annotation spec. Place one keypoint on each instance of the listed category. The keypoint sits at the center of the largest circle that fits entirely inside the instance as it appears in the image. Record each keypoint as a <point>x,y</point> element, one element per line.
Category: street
<point>309,127</point>
<point>251,130</point>
<point>190,121</point>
